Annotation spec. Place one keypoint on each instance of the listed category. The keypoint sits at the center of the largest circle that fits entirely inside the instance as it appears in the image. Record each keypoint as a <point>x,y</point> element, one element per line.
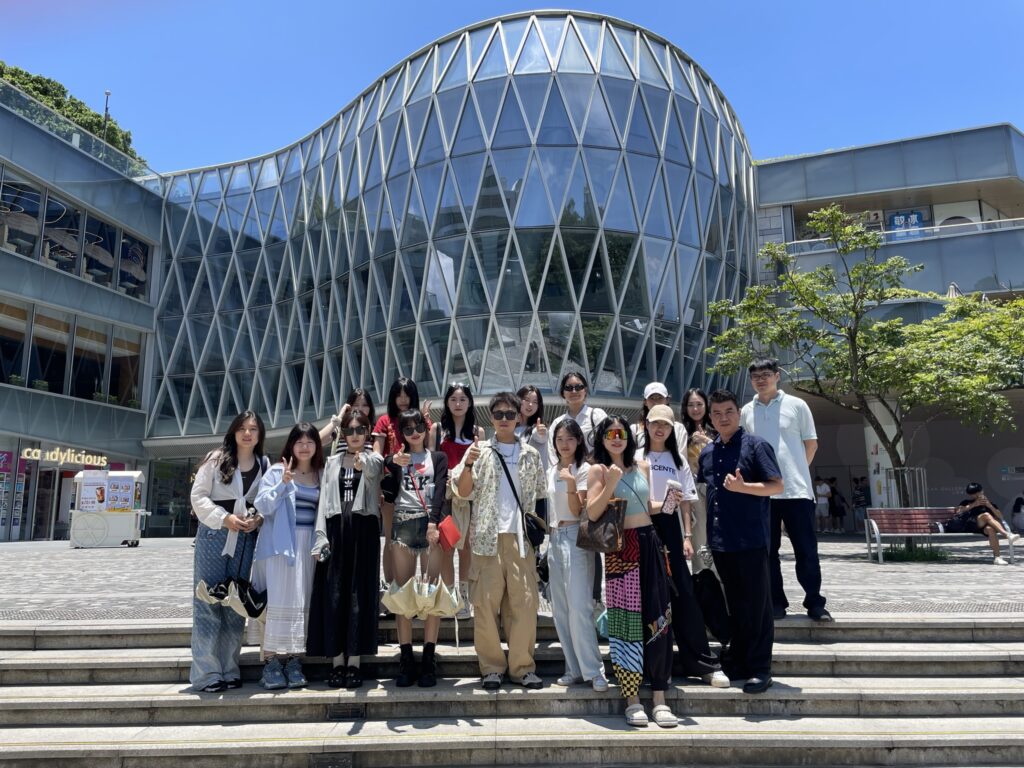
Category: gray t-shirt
<point>417,488</point>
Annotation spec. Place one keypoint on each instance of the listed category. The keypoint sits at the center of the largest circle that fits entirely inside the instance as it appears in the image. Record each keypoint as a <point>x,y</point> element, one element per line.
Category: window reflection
<point>100,247</point>
<point>132,276</point>
<point>19,215</point>
<point>61,232</point>
<point>49,354</point>
<point>88,369</point>
<point>125,367</point>
<point>13,325</point>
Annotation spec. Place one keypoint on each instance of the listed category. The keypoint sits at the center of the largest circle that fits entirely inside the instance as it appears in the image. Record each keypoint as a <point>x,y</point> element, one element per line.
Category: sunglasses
<point>615,434</point>
<point>574,387</point>
<point>349,431</point>
<point>410,431</point>
<point>504,415</point>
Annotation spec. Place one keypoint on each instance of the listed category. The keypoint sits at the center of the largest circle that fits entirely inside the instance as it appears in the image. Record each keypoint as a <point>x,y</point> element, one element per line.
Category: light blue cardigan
<point>276,502</point>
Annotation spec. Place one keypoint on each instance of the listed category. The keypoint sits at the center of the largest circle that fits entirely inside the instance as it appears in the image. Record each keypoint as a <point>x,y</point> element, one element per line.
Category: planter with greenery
<point>16,380</point>
<point>41,384</point>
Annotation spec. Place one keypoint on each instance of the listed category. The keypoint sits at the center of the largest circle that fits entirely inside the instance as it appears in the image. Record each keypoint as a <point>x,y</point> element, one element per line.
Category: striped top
<point>306,499</point>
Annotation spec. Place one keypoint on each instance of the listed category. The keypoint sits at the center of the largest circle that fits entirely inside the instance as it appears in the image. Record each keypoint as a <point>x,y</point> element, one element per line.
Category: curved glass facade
<point>528,195</point>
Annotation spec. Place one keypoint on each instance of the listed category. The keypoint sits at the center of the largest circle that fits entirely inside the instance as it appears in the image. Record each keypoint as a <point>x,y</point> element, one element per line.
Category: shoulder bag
<point>534,526</point>
<point>607,533</point>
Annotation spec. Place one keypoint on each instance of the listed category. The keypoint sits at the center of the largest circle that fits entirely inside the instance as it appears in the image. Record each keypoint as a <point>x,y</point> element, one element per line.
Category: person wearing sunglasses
<point>639,630</point>
<point>358,400</point>
<point>656,393</point>
<point>346,546</point>
<point>415,482</point>
<point>504,479</point>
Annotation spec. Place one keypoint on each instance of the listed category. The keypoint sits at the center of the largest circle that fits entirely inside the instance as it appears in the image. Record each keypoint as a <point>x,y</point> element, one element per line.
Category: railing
<point>37,113</point>
<point>891,236</point>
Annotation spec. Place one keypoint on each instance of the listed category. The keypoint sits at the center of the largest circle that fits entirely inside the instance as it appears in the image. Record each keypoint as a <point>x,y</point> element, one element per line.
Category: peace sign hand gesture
<point>289,471</point>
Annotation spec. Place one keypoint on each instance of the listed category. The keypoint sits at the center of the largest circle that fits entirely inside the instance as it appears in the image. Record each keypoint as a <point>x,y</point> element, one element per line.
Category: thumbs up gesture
<point>357,462</point>
<point>735,482</point>
<point>289,471</point>
<point>401,458</point>
<point>473,452</point>
<point>613,475</point>
<point>541,430</point>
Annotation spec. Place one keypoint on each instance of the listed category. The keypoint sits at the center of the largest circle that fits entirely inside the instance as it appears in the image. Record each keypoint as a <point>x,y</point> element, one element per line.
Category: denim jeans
<point>216,629</point>
<point>571,579</point>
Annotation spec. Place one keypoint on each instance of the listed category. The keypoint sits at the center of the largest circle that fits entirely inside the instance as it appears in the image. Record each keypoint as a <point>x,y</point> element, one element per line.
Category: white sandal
<point>663,716</point>
<point>636,716</point>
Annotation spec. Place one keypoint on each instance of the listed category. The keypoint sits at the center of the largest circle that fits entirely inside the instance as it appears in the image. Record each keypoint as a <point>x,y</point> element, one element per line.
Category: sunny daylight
<point>464,384</point>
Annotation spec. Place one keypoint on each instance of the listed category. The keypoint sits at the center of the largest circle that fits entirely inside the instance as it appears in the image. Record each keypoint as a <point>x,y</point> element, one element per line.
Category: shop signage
<point>93,495</point>
<point>62,456</point>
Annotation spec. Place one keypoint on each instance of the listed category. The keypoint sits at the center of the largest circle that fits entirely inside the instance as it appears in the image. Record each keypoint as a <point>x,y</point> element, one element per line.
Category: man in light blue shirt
<point>786,423</point>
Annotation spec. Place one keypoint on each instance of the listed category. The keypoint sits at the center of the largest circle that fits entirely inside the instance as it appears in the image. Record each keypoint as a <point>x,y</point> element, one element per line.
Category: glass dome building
<point>532,194</point>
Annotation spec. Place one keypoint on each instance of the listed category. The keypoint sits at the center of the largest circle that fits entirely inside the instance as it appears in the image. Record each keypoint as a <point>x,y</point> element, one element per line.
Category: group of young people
<point>307,530</point>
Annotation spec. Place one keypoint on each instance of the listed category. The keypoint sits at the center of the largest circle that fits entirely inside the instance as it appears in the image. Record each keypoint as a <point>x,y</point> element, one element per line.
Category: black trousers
<point>798,516</point>
<point>687,618</point>
<point>745,580</point>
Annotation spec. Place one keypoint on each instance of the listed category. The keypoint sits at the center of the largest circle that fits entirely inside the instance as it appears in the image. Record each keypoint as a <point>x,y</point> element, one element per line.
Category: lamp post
<point>106,114</point>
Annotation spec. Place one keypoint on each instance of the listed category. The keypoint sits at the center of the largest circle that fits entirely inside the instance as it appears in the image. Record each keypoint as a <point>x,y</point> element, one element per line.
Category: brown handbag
<point>606,534</point>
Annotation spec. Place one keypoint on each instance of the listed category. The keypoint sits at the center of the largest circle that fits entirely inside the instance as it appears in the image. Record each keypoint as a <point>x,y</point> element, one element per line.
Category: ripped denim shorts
<point>409,529</point>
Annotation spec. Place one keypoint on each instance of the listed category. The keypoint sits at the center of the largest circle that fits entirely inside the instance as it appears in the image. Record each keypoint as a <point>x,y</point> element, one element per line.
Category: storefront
<point>37,485</point>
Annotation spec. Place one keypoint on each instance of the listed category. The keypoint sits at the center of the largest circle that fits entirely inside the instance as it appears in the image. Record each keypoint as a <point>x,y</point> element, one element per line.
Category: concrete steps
<point>700,740</point>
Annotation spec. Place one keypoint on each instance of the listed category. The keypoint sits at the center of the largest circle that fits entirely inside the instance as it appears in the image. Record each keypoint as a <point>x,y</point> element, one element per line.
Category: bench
<point>911,523</point>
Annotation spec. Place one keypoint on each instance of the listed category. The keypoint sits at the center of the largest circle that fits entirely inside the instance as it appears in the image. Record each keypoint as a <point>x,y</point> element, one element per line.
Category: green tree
<point>55,96</point>
<point>838,330</point>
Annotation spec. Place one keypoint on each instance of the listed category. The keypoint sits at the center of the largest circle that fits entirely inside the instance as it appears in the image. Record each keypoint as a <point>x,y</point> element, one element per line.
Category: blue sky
<point>200,82</point>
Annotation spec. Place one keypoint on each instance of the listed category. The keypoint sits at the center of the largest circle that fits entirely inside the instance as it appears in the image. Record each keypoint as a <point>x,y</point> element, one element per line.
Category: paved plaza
<point>49,581</point>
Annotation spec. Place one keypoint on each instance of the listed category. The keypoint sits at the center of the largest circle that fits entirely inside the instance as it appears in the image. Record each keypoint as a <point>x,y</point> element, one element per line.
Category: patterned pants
<point>216,630</point>
<point>639,612</point>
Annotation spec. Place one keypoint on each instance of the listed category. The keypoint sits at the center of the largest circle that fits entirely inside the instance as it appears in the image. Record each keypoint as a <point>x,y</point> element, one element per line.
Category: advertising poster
<point>94,491</point>
<point>120,494</point>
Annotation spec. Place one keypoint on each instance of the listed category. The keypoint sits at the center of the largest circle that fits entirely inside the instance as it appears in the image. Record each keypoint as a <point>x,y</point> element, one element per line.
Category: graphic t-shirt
<point>417,487</point>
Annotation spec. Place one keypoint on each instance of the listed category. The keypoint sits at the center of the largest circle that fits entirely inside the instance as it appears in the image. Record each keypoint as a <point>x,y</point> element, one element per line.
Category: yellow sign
<point>62,456</point>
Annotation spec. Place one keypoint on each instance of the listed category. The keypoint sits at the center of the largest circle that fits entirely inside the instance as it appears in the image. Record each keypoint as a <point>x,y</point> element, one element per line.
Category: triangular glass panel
<point>398,191</point>
<point>712,272</point>
<point>600,132</point>
<point>689,228</point>
<point>704,155</point>
<point>590,32</point>
<point>513,31</point>
<point>435,346</point>
<point>493,63</point>
<point>240,181</point>
<point>533,59</point>
<point>396,95</point>
<point>495,373</point>
<point>681,80</point>
<point>676,181</point>
<point>199,419</point>
<point>676,150</point>
<point>472,293</point>
<point>511,130</point>
<point>430,179</point>
<point>598,296</point>
<point>371,204</point>
<point>387,236</point>
<point>510,165</point>
<point>578,248</point>
<point>532,90</point>
<point>640,138</point>
<point>688,120</point>
<point>557,295</point>
<point>657,106</point>
<point>613,63</point>
<point>556,128</point>
<point>488,99</point>
<point>650,72</point>
<point>425,84</point>
<point>534,247</point>
<point>477,43</point>
<point>577,90</point>
<point>449,107</point>
<point>432,147</point>
<point>404,306</point>
<point>449,214</point>
<point>490,252</point>
<point>551,30</point>
<point>627,39</point>
<point>469,138</point>
<point>556,165</point>
<point>619,213</point>
<point>620,101</point>
<point>641,170</point>
<point>457,70</point>
<point>513,294</point>
<point>489,211</point>
<point>534,206</point>
<point>713,239</point>
<point>373,171</point>
<point>601,164</point>
<point>468,170</point>
<point>705,189</point>
<point>659,220</point>
<point>580,208</point>
<point>656,257</point>
<point>634,296</point>
<point>575,357</point>
<point>415,119</point>
<point>574,58</point>
<point>414,227</point>
<point>439,285</point>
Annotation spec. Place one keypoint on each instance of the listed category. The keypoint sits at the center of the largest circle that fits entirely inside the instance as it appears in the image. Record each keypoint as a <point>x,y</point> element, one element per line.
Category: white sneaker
<point>716,679</point>
<point>599,684</point>
<point>566,680</point>
<point>999,561</point>
<point>466,611</point>
<point>1012,537</point>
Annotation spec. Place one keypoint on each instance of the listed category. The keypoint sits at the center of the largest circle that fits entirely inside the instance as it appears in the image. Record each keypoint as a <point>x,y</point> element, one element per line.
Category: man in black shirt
<point>741,473</point>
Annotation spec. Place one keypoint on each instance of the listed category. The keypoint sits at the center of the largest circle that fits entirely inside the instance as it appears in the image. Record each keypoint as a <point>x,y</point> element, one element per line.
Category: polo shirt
<point>737,522</point>
<point>785,422</point>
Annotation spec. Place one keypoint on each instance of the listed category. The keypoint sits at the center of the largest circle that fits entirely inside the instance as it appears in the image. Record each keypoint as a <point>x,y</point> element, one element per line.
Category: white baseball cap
<point>655,388</point>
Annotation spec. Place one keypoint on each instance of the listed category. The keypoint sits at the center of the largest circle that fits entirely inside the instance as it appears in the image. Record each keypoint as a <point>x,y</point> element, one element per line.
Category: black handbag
<point>607,533</point>
<point>711,599</point>
<point>535,524</point>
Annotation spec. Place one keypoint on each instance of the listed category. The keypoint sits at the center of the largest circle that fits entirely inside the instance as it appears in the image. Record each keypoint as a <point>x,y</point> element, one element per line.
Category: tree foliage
<point>55,96</point>
<point>840,331</point>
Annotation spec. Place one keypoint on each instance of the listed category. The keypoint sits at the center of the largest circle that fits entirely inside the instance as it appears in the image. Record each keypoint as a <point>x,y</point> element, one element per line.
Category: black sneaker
<point>235,683</point>
<point>758,684</point>
<point>407,669</point>
<point>337,677</point>
<point>820,614</point>
<point>217,687</point>
<point>779,613</point>
<point>354,678</point>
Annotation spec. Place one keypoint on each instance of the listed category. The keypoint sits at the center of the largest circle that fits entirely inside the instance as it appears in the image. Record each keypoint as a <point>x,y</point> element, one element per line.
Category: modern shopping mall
<point>532,194</point>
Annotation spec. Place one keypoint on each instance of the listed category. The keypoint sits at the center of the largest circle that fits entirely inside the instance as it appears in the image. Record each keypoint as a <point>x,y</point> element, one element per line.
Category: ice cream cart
<point>108,509</point>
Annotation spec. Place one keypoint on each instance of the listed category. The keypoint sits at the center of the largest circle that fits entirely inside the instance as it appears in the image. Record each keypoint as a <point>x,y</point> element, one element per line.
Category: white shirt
<point>588,418</point>
<point>558,493</point>
<point>785,422</point>
<point>823,490</point>
<point>663,469</point>
<point>508,508</point>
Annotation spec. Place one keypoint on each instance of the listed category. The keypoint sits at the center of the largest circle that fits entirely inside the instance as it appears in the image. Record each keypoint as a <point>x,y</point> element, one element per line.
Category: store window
<point>48,356</point>
<point>12,488</point>
<point>88,366</point>
<point>126,367</point>
<point>132,275</point>
<point>19,215</point>
<point>13,327</point>
<point>100,247</point>
<point>171,511</point>
<point>61,235</point>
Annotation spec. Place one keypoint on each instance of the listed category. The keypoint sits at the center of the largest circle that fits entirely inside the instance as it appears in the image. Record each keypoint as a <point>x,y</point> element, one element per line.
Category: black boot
<point>406,667</point>
<point>428,668</point>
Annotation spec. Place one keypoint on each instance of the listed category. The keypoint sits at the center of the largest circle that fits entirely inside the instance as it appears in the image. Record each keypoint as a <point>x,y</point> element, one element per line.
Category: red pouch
<point>449,533</point>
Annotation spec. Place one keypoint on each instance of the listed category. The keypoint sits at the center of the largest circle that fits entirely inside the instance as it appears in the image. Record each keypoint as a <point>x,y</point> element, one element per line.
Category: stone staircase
<point>894,690</point>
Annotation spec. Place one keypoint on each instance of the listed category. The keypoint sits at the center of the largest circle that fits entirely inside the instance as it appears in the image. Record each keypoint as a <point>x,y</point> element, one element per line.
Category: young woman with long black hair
<point>343,611</point>
<point>222,495</point>
<point>700,432</point>
<point>531,428</point>
<point>358,400</point>
<point>452,436</point>
<point>639,630</point>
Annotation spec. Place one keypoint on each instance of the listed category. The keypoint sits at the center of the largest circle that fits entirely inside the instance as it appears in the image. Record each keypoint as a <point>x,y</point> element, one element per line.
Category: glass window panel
<point>61,238</point>
<point>88,365</point>
<point>468,170</point>
<point>532,90</point>
<point>620,214</point>
<point>19,215</point>
<point>534,207</point>
<point>472,293</point>
<point>612,61</point>
<point>449,213</point>
<point>573,58</point>
<point>534,247</point>
<point>533,58</point>
<point>449,107</point>
<point>493,63</point>
<point>556,169</point>
<point>488,100</point>
<point>13,326</point>
<point>577,90</point>
<point>579,209</point>
<point>640,138</point>
<point>432,148</point>
<point>511,130</point>
<point>555,128</point>
<point>620,100</point>
<point>48,358</point>
<point>469,137</point>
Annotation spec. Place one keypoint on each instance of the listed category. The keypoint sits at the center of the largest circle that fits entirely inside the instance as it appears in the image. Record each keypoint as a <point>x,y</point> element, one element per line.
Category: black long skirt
<point>343,608</point>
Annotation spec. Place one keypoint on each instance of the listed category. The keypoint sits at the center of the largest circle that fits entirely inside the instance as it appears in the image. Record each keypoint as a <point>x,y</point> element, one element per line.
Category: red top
<point>392,440</point>
<point>454,451</point>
